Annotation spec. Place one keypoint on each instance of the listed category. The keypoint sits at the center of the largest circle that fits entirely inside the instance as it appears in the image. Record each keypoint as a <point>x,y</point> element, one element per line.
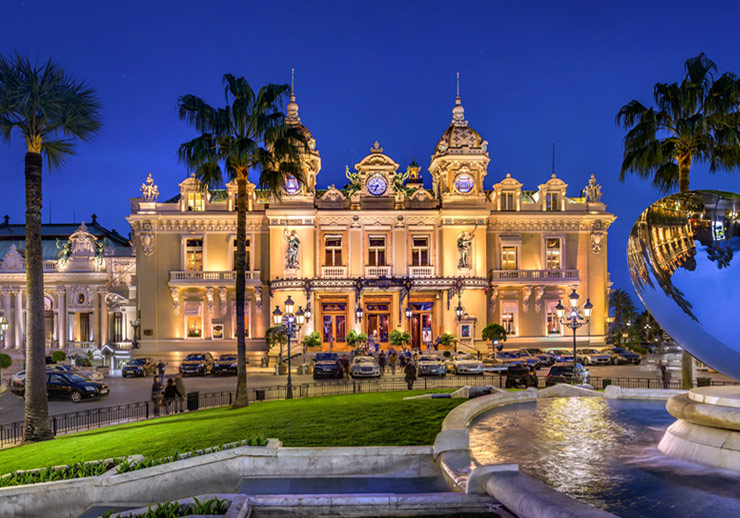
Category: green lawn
<point>382,419</point>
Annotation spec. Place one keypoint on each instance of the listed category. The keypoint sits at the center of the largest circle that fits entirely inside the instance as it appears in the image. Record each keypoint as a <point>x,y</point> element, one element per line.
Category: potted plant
<point>312,340</point>
<point>399,338</point>
<point>355,339</point>
<point>447,339</point>
<point>58,356</point>
<point>495,333</point>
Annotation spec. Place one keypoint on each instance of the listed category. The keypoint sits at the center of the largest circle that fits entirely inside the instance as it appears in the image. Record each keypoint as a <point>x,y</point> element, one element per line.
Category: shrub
<point>494,332</point>
<point>49,474</point>
<point>446,339</point>
<point>312,340</point>
<point>399,338</point>
<point>212,506</point>
<point>58,356</point>
<point>355,339</point>
<point>5,361</point>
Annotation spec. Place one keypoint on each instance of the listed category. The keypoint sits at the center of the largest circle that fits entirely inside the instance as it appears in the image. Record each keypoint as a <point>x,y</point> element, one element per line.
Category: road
<point>129,390</point>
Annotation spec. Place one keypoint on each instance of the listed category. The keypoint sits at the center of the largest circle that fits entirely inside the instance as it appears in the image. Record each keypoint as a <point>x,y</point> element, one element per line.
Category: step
<point>345,485</point>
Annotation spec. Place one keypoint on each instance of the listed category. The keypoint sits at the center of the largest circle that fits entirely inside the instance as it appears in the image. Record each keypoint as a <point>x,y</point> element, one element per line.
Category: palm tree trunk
<point>687,361</point>
<point>241,284</point>
<point>36,427</point>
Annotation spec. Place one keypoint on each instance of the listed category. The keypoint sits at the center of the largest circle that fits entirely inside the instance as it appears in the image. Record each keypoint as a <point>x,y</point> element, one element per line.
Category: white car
<point>365,367</point>
<point>465,364</point>
<point>593,357</point>
<point>493,364</point>
<point>431,366</point>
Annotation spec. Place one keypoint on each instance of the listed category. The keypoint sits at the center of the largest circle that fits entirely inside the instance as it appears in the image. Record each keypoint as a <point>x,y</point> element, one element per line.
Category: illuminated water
<point>604,452</point>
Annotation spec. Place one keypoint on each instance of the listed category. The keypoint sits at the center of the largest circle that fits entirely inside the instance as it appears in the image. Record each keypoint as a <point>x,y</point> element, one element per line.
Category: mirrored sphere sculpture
<point>684,259</point>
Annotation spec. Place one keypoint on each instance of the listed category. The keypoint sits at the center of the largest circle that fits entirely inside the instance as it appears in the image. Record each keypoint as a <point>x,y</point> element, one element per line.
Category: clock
<point>292,185</point>
<point>464,183</point>
<point>377,185</point>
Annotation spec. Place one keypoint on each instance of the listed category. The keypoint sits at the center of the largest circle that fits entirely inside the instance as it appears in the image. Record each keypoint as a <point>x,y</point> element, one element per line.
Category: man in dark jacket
<point>381,362</point>
<point>160,370</point>
<point>157,394</point>
<point>410,371</point>
<point>171,394</point>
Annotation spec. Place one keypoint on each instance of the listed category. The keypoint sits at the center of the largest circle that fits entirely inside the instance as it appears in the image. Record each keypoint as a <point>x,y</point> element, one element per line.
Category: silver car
<point>593,357</point>
<point>431,366</point>
<point>465,364</point>
<point>365,367</point>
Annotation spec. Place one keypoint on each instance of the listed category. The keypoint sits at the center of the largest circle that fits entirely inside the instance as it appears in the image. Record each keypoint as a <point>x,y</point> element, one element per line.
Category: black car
<point>67,385</point>
<point>327,365</point>
<point>139,367</point>
<point>563,373</point>
<point>521,376</point>
<point>197,363</point>
<point>621,355</point>
<point>226,364</point>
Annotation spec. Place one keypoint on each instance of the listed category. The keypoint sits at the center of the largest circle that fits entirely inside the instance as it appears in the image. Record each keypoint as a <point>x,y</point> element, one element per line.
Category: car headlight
<point>90,389</point>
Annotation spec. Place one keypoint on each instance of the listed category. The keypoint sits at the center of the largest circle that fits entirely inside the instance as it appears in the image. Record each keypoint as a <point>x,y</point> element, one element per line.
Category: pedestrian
<point>171,394</point>
<point>410,374</point>
<point>345,366</point>
<point>180,384</point>
<point>160,370</point>
<point>375,340</point>
<point>331,341</point>
<point>157,394</point>
<point>381,362</point>
<point>392,362</point>
<point>665,375</point>
<point>437,342</point>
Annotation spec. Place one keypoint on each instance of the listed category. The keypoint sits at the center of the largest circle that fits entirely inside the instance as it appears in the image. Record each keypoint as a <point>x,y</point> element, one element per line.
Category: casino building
<point>380,254</point>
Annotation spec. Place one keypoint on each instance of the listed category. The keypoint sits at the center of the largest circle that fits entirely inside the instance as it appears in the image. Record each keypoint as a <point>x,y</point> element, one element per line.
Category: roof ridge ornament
<point>149,191</point>
<point>376,148</point>
<point>458,112</point>
<point>292,107</point>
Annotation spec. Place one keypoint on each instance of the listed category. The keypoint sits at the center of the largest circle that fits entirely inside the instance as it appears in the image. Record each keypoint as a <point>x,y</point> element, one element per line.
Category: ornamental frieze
<point>538,224</point>
<point>466,221</point>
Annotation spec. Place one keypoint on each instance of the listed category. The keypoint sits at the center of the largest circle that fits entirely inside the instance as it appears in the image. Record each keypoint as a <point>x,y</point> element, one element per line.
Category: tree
<point>5,362</point>
<point>494,332</point>
<point>697,120</point>
<point>248,134</point>
<point>624,308</point>
<point>312,340</point>
<point>50,110</point>
<point>276,336</point>
<point>399,338</point>
<point>58,356</point>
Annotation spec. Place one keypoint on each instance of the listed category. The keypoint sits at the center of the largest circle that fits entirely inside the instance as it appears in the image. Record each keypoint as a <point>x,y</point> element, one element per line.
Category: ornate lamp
<point>300,316</point>
<point>277,316</point>
<point>459,310</point>
<point>289,304</point>
<point>574,320</point>
<point>409,312</point>
<point>358,313</point>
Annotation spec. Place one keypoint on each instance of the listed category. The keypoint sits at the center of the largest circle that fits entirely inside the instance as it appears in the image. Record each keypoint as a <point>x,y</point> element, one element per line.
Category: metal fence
<point>12,433</point>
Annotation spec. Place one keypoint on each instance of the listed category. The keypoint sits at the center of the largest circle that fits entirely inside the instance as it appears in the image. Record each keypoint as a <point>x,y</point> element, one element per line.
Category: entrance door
<point>421,324</point>
<point>333,323</point>
<point>379,320</point>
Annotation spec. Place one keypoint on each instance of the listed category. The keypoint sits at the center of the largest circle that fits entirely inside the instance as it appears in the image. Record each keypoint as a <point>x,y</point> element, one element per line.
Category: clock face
<point>377,185</point>
<point>292,185</point>
<point>464,183</point>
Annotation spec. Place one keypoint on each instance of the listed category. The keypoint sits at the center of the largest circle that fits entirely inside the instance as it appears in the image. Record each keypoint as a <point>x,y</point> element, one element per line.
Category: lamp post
<point>574,319</point>
<point>135,324</point>
<point>290,323</point>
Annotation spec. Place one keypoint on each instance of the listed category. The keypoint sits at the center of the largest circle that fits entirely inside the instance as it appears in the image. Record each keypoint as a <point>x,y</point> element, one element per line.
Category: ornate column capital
<point>175,294</point>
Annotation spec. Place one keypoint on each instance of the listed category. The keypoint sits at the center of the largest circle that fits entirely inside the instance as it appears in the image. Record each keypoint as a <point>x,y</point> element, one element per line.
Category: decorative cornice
<point>317,283</point>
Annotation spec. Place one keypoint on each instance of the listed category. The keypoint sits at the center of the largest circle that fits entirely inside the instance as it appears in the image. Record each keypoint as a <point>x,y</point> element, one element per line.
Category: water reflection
<point>681,255</point>
<point>603,452</point>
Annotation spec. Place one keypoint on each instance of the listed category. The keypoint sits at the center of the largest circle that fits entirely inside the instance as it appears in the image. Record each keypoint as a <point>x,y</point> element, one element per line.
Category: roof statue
<point>593,191</point>
<point>149,191</point>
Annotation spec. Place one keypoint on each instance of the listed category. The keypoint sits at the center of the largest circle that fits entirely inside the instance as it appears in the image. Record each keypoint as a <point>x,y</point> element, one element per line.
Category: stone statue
<point>291,252</point>
<point>66,251</point>
<point>149,191</point>
<point>593,191</point>
<point>100,247</point>
<point>464,243</point>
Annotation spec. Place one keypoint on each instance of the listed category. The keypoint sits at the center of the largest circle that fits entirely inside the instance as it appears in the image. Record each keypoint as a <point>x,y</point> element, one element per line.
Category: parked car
<point>621,355</point>
<point>86,373</point>
<point>139,367</point>
<point>197,363</point>
<point>562,355</point>
<point>509,358</point>
<point>431,366</point>
<point>464,364</point>
<point>546,359</point>
<point>68,385</point>
<point>226,364</point>
<point>593,357</point>
<point>520,376</point>
<point>492,363</point>
<point>327,365</point>
<point>563,373</point>
<point>531,361</point>
<point>365,367</point>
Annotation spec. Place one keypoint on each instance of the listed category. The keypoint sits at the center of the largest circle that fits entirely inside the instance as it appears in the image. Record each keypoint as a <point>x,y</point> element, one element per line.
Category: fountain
<point>681,255</point>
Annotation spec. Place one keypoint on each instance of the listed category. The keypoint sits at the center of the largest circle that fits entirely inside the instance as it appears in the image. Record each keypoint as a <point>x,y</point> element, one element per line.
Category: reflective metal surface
<point>684,259</point>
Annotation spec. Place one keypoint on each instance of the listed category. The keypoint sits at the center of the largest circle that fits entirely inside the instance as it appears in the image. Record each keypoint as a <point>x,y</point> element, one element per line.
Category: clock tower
<point>377,175</point>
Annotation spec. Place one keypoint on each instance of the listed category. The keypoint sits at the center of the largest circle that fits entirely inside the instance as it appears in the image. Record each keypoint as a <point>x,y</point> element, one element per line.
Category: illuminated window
<point>333,251</point>
<point>247,254</point>
<point>509,318</point>
<point>194,319</point>
<point>552,201</point>
<point>508,258</point>
<point>507,201</point>
<point>376,251</point>
<point>194,255</point>
<point>553,324</point>
<point>419,251</point>
<point>196,201</point>
<point>552,253</point>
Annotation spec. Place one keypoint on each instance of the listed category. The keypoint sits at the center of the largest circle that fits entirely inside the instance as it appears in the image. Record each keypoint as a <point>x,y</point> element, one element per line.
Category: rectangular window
<point>194,319</point>
<point>116,327</point>
<point>196,201</point>
<point>508,258</point>
<point>553,324</point>
<point>333,251</point>
<point>552,200</point>
<point>507,201</point>
<point>508,320</point>
<point>419,251</point>
<point>552,253</point>
<point>246,319</point>
<point>376,251</point>
<point>247,254</point>
<point>194,255</point>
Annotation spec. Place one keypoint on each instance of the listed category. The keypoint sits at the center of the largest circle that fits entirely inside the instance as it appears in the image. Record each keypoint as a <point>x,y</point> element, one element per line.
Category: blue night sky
<point>530,72</point>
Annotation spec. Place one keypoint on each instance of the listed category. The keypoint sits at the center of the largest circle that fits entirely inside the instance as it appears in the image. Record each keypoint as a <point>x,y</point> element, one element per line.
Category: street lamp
<point>290,323</point>
<point>277,319</point>
<point>459,310</point>
<point>574,319</point>
<point>135,324</point>
<point>358,313</point>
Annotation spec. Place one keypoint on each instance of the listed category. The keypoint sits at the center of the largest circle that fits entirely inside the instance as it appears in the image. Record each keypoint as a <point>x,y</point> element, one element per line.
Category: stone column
<point>103,319</point>
<point>62,331</point>
<point>96,318</point>
<point>8,316</point>
<point>18,319</point>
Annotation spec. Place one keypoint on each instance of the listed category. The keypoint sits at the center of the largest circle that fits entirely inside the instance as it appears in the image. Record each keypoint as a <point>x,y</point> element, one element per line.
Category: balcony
<point>198,278</point>
<point>534,276</point>
<point>334,272</point>
<point>373,272</point>
<point>416,272</point>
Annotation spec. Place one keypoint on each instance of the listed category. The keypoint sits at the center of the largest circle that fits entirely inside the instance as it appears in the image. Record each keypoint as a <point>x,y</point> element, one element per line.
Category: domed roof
<point>292,118</point>
<point>459,137</point>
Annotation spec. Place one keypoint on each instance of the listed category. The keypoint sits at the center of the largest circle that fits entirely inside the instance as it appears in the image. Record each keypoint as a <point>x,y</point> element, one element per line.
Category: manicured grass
<point>382,419</point>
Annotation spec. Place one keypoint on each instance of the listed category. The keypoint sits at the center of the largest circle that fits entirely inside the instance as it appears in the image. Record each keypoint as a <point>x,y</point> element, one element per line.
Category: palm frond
<point>57,151</point>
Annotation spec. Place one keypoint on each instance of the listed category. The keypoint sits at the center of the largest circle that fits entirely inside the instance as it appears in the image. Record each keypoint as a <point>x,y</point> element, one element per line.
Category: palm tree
<point>50,110</point>
<point>623,306</point>
<point>697,120</point>
<point>248,134</point>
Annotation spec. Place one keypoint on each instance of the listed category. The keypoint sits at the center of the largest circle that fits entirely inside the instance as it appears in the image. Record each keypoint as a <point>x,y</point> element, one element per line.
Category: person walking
<point>157,394</point>
<point>345,366</point>
<point>392,362</point>
<point>410,374</point>
<point>665,375</point>
<point>180,384</point>
<point>331,341</point>
<point>171,394</point>
<point>160,370</point>
<point>381,362</point>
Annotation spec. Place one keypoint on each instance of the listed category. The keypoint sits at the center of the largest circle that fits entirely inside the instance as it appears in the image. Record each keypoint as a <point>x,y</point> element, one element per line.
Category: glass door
<point>378,321</point>
<point>333,324</point>
<point>421,324</point>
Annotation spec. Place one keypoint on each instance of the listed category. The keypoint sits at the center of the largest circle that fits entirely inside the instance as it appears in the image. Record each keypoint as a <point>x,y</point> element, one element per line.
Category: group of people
<point>404,359</point>
<point>168,396</point>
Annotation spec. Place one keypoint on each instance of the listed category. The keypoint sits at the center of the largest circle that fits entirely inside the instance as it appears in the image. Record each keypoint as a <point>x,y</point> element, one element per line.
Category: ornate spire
<point>458,112</point>
<point>292,107</point>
